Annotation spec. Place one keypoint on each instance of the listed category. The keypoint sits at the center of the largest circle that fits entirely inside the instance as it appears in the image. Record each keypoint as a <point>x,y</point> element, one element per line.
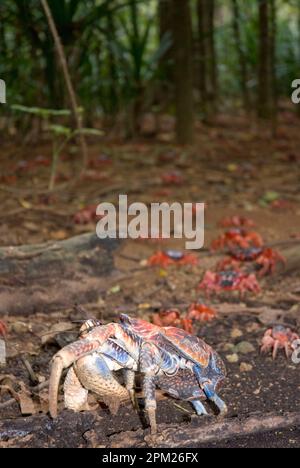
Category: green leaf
<point>90,131</point>
<point>60,130</point>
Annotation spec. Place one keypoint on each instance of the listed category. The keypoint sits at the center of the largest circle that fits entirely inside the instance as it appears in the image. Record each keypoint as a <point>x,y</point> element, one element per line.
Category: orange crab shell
<point>237,238</point>
<point>201,313</point>
<point>166,318</point>
<point>189,346</point>
<point>164,260</point>
<point>237,221</point>
<point>228,263</point>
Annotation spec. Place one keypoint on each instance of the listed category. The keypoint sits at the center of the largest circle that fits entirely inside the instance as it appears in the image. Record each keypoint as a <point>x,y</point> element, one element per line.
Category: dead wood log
<point>292,256</point>
<point>199,434</point>
<point>89,430</point>
<point>55,275</point>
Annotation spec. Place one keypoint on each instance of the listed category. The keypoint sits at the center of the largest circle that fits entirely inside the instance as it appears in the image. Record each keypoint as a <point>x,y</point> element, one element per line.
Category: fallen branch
<point>54,275</point>
<point>195,435</point>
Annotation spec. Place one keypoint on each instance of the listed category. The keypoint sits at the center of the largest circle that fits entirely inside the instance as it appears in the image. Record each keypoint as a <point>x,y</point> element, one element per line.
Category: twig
<point>70,88</point>
<point>35,389</point>
<point>31,372</point>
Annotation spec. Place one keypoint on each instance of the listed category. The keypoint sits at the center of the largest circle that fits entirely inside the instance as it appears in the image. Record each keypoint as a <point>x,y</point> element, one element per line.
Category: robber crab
<point>3,328</point>
<point>279,337</point>
<point>237,237</point>
<point>182,364</point>
<point>229,280</point>
<point>172,257</point>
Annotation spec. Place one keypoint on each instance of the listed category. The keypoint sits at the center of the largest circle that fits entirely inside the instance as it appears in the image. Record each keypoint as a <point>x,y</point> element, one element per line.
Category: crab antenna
<point>56,371</point>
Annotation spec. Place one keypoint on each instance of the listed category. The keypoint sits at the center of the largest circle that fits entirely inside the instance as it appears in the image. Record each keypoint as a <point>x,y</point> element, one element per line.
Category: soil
<point>234,169</point>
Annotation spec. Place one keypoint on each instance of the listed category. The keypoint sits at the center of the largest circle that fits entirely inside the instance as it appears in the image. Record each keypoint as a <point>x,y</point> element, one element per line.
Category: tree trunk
<point>208,76</point>
<point>182,33</point>
<point>213,74</point>
<point>264,68</point>
<point>165,19</point>
<point>202,55</point>
<point>299,46</point>
<point>241,54</point>
<point>54,275</point>
<point>273,53</point>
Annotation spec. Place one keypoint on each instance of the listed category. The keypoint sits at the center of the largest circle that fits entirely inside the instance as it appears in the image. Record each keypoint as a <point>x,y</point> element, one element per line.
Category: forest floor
<point>236,170</point>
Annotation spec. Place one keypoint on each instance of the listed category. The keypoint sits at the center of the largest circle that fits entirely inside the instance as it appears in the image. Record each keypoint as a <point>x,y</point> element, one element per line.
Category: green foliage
<point>114,53</point>
<point>61,134</point>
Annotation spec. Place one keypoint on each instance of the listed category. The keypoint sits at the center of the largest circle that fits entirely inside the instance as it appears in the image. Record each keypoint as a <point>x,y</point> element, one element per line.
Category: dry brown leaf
<point>27,405</point>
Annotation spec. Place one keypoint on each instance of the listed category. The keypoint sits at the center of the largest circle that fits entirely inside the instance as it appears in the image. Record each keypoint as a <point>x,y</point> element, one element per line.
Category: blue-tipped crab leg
<point>199,408</point>
<point>209,391</point>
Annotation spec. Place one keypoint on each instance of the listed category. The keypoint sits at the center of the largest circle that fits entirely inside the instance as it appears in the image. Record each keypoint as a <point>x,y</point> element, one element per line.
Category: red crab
<point>86,215</point>
<point>101,160</point>
<point>228,263</point>
<point>167,318</point>
<point>172,178</point>
<point>237,238</point>
<point>246,255</point>
<point>237,221</point>
<point>3,329</point>
<point>229,280</point>
<point>172,257</point>
<point>172,318</point>
<point>201,313</point>
<point>279,337</point>
<point>267,261</point>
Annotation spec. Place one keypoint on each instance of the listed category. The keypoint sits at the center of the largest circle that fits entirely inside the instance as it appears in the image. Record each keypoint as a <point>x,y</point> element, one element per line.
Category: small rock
<point>232,358</point>
<point>236,333</point>
<point>19,327</point>
<point>227,347</point>
<point>244,347</point>
<point>244,367</point>
<point>253,327</point>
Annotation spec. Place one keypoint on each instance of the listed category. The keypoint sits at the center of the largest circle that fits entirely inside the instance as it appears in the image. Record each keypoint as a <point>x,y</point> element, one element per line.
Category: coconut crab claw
<point>72,353</point>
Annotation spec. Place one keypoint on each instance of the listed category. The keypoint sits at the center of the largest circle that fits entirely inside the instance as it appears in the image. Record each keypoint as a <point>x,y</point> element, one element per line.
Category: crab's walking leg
<point>129,378</point>
<point>75,395</point>
<point>210,393</point>
<point>149,367</point>
<point>199,408</point>
<point>150,401</point>
<point>287,350</point>
<point>275,349</point>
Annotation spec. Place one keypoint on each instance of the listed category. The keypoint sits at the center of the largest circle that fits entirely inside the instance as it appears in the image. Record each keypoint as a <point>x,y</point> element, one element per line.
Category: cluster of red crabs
<point>247,259</point>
